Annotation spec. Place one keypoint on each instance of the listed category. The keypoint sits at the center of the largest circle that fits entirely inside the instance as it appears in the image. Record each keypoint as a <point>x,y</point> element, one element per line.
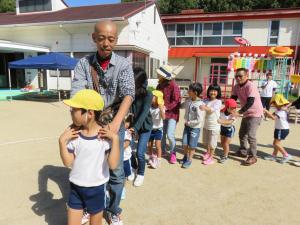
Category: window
<point>139,60</point>
<point>154,64</point>
<point>34,5</point>
<point>204,33</point>
<point>274,32</point>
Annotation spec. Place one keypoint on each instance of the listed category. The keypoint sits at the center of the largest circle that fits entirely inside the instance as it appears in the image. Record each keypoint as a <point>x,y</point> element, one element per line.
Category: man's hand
<point>69,134</point>
<point>237,114</point>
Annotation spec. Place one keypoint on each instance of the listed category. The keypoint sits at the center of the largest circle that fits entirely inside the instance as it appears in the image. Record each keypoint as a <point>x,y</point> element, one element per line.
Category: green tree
<point>7,5</point>
<point>175,6</point>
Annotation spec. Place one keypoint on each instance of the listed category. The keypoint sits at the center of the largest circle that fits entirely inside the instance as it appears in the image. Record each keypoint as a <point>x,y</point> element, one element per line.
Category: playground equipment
<point>277,61</point>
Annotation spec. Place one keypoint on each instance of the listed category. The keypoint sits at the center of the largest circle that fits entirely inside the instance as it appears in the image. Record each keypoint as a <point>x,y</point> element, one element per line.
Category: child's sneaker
<point>85,218</point>
<point>184,159</point>
<point>208,161</point>
<point>173,159</point>
<point>205,156</point>
<point>139,180</point>
<point>187,164</point>
<point>270,158</point>
<point>223,159</point>
<point>285,159</point>
<point>155,163</point>
<point>131,176</point>
<point>115,220</point>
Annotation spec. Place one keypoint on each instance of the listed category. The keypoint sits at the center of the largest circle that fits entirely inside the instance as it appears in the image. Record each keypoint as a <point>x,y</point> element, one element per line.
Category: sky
<point>89,2</point>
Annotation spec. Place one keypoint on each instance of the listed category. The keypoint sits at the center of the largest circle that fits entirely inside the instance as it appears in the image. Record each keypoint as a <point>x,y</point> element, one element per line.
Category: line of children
<point>211,130</point>
<point>281,127</point>
<point>192,123</point>
<point>129,175</point>
<point>157,111</point>
<point>227,120</point>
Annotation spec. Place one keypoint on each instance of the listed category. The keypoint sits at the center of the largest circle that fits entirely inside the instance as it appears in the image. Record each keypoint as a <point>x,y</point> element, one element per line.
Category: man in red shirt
<point>172,99</point>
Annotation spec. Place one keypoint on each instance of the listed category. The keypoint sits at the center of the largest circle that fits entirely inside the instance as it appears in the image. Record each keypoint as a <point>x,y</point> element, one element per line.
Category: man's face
<point>241,77</point>
<point>269,76</point>
<point>105,37</point>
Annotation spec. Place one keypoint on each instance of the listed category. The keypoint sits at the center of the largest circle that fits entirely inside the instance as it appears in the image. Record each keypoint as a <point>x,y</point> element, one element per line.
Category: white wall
<point>288,31</point>
<point>256,32</point>
<point>184,68</point>
<point>143,32</point>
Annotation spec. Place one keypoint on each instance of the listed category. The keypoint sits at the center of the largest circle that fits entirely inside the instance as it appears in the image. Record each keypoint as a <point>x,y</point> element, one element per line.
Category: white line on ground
<point>28,140</point>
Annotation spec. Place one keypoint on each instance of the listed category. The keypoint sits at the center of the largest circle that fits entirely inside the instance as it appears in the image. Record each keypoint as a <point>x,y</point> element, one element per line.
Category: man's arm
<point>126,88</point>
<point>122,112</point>
<point>79,81</point>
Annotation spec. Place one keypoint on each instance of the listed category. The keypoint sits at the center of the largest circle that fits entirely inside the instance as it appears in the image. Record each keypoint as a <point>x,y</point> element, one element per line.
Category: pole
<point>9,81</point>
<point>57,75</point>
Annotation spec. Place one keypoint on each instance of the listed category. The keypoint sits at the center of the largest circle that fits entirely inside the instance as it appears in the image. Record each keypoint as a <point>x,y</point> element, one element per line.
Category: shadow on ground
<point>54,210</point>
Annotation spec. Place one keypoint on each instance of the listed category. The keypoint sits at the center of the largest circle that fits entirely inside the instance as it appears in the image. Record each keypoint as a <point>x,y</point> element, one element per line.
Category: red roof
<point>108,11</point>
<point>238,15</point>
<point>187,52</point>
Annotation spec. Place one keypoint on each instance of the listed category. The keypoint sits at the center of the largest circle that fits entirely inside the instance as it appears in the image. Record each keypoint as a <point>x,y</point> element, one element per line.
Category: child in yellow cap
<point>88,156</point>
<point>157,111</point>
<point>281,127</point>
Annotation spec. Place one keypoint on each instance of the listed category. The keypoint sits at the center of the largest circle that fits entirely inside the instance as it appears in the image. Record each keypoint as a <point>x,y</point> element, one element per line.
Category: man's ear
<point>94,36</point>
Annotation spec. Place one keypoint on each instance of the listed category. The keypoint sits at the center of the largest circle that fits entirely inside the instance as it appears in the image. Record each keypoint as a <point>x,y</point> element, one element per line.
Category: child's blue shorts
<point>281,134</point>
<point>127,167</point>
<point>227,131</point>
<point>156,135</point>
<point>90,198</point>
<point>190,136</point>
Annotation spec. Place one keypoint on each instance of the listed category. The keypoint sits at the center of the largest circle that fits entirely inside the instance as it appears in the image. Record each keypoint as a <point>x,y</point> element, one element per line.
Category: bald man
<point>112,76</point>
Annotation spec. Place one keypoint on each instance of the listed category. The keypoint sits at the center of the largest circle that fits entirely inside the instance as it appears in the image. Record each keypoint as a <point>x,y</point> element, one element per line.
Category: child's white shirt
<point>128,150</point>
<point>90,167</point>
<point>211,119</point>
<point>223,116</point>
<point>156,118</point>
<point>281,119</point>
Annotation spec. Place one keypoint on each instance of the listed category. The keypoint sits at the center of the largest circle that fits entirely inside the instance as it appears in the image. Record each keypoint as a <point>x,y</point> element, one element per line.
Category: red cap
<point>229,103</point>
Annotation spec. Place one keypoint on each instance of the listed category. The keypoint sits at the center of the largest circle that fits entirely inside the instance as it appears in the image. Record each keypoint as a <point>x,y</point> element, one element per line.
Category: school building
<point>201,43</point>
<point>41,26</point>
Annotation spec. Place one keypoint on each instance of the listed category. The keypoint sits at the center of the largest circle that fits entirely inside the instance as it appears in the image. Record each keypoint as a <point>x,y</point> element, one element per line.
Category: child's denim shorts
<point>190,136</point>
<point>281,134</point>
<point>90,198</point>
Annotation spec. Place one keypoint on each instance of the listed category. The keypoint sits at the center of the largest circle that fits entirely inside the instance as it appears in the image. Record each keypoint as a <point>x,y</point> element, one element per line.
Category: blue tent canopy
<point>51,61</point>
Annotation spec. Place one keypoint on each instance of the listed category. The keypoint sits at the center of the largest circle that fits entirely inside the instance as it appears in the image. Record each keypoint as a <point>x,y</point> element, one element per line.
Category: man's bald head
<point>106,25</point>
<point>105,37</point>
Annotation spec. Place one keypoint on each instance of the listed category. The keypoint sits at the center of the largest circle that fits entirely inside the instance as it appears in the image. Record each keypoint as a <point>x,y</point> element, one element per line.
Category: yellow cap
<point>160,97</point>
<point>279,99</point>
<point>86,99</point>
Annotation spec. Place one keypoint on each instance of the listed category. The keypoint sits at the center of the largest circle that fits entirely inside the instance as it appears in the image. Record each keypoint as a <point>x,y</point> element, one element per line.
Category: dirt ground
<point>34,186</point>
